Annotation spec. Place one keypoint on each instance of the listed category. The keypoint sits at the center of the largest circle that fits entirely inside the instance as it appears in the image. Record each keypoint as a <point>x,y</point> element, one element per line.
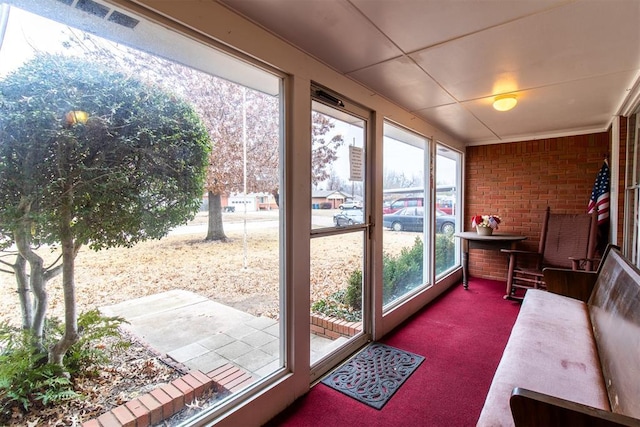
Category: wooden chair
<point>566,241</point>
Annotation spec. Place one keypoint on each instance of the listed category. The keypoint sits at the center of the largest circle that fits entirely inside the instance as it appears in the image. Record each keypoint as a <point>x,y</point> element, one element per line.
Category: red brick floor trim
<point>332,328</point>
<point>169,399</point>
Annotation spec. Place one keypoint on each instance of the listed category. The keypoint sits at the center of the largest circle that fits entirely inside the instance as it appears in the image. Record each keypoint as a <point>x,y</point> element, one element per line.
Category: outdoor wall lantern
<point>505,102</point>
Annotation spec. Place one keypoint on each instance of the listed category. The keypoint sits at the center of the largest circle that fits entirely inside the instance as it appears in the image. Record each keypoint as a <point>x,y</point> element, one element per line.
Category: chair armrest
<point>586,264</point>
<point>533,409</point>
<point>577,284</point>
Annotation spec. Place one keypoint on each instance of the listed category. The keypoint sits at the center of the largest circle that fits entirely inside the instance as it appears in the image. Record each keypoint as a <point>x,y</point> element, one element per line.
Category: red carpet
<point>462,335</point>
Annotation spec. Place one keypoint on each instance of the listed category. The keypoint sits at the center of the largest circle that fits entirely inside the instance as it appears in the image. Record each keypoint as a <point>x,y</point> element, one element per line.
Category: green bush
<point>445,252</point>
<point>86,355</point>
<point>401,274</point>
<point>26,378</point>
<point>353,296</point>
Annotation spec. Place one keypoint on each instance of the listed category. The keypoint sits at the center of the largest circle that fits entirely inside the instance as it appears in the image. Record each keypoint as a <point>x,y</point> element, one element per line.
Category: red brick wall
<point>518,180</point>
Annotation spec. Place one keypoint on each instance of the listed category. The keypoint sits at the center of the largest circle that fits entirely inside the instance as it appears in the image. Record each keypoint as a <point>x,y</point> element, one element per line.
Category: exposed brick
<point>125,416</point>
<point>184,388</point>
<point>205,380</point>
<point>198,387</point>
<point>165,401</point>
<point>317,330</point>
<point>218,371</point>
<point>229,376</point>
<point>154,407</point>
<point>332,334</point>
<point>108,420</point>
<point>91,423</point>
<point>519,180</point>
<point>239,382</point>
<point>176,396</point>
<point>141,412</point>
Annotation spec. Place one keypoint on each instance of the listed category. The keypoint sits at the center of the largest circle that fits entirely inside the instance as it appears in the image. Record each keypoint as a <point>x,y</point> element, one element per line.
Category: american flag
<point>600,195</point>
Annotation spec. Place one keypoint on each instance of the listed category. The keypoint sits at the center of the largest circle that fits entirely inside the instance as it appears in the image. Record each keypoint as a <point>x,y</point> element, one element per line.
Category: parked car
<point>412,219</point>
<point>348,217</point>
<point>445,223</point>
<point>356,204</point>
<point>405,202</point>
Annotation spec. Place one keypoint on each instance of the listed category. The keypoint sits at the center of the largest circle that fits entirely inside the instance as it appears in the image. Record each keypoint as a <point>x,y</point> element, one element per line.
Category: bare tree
<point>234,115</point>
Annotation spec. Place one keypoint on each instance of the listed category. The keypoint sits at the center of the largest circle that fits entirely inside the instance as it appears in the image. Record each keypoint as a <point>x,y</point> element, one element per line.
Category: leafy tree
<point>89,156</point>
<point>231,113</point>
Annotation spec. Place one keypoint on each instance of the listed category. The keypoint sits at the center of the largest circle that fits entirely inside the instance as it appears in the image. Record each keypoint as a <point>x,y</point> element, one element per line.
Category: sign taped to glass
<point>355,163</point>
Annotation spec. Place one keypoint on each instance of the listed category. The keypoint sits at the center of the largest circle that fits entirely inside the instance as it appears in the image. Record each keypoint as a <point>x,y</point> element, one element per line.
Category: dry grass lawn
<point>212,269</point>
<point>243,274</point>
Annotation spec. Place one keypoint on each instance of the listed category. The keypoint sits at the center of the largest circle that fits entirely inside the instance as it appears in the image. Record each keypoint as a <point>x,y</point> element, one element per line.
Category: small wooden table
<point>472,240</point>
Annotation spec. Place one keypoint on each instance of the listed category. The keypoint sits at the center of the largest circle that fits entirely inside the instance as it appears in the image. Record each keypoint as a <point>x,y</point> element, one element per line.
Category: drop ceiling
<point>573,65</point>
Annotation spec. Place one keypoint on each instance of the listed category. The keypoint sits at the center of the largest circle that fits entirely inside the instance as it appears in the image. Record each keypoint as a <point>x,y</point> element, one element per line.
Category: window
<point>161,158</point>
<point>448,169</point>
<point>405,171</point>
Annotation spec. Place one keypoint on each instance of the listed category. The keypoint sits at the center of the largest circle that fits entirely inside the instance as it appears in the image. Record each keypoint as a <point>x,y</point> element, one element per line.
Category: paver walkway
<point>203,334</point>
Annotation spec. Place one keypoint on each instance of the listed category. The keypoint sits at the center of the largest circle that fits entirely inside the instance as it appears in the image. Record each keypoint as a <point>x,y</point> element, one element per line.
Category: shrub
<point>445,252</point>
<point>353,296</point>
<point>26,378</point>
<point>401,274</point>
<point>404,272</point>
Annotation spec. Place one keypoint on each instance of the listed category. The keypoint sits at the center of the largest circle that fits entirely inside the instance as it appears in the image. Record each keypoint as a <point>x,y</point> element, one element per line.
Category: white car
<point>351,205</point>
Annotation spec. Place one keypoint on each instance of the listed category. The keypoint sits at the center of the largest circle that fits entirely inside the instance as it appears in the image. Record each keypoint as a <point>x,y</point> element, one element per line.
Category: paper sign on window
<point>355,163</point>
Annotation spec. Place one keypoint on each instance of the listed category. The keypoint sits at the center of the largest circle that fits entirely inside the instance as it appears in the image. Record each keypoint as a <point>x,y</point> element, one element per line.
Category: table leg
<point>465,263</point>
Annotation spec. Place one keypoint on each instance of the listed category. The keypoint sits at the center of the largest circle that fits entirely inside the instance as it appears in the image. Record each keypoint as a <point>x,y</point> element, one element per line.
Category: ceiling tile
<point>457,121</point>
<point>402,81</point>
<point>331,30</point>
<point>414,25</point>
<point>571,62</point>
<point>573,106</point>
<point>580,40</point>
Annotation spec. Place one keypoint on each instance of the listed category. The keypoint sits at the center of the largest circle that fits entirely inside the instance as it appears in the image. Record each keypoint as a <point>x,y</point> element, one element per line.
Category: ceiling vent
<point>101,11</point>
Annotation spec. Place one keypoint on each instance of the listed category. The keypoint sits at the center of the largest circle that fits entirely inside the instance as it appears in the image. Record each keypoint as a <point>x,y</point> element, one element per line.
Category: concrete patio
<point>204,335</point>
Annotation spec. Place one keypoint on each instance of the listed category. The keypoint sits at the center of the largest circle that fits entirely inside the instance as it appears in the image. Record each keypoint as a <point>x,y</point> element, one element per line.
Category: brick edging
<point>333,328</point>
<point>169,399</point>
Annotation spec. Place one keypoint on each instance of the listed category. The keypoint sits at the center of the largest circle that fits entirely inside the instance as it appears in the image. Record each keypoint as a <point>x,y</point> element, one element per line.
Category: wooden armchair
<point>566,241</point>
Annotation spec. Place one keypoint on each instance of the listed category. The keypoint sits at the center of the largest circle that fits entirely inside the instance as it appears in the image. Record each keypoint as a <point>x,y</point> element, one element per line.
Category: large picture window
<point>140,177</point>
<point>405,216</point>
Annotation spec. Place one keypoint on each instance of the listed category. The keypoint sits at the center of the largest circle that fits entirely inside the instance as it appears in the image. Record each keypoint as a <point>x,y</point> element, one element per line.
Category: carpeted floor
<point>461,335</point>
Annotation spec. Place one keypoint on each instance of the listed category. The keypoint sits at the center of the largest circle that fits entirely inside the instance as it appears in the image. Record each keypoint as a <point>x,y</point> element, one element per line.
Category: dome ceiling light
<point>505,102</point>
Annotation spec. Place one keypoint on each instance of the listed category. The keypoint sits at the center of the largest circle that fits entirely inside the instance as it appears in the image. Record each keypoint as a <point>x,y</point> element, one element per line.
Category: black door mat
<point>374,374</point>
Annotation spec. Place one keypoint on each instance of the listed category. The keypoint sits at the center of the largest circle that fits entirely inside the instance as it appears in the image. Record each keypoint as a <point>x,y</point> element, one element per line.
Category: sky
<point>24,34</point>
<point>398,156</point>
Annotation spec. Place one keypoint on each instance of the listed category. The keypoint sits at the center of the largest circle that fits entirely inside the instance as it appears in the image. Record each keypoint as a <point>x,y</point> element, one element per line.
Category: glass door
<point>339,231</point>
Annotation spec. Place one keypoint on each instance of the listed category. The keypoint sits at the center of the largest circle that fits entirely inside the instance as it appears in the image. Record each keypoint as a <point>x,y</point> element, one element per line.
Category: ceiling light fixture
<point>505,102</point>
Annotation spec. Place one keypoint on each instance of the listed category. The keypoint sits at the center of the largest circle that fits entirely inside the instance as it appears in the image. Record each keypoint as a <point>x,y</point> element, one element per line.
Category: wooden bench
<point>573,356</point>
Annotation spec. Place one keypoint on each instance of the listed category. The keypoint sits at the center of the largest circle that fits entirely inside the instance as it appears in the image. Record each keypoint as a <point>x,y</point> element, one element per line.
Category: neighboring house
<point>328,199</point>
<point>236,202</point>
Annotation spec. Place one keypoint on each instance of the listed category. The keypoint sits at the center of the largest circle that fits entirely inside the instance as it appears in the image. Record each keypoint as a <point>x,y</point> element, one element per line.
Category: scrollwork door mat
<point>374,374</point>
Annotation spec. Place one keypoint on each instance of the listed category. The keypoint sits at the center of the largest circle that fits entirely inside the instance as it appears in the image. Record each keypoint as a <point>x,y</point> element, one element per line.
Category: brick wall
<point>519,180</point>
